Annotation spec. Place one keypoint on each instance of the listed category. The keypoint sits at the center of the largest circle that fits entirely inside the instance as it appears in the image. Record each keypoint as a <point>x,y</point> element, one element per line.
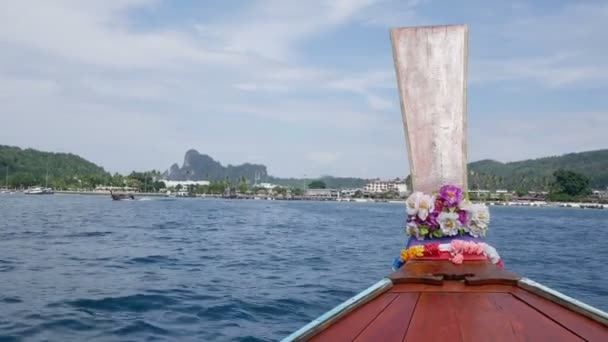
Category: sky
<point>307,88</point>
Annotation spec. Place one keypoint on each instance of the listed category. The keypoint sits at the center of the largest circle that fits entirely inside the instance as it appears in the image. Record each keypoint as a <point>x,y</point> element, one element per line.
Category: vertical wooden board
<point>481,317</point>
<point>430,63</point>
<point>528,324</point>
<point>435,318</point>
<point>582,326</point>
<point>348,327</point>
<point>393,321</point>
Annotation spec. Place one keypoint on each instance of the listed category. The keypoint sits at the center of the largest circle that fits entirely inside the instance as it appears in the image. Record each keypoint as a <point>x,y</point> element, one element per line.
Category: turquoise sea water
<point>76,268</point>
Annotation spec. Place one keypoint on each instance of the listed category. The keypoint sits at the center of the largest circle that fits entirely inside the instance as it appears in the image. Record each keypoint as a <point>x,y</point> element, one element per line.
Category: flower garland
<point>457,249</point>
<point>446,213</point>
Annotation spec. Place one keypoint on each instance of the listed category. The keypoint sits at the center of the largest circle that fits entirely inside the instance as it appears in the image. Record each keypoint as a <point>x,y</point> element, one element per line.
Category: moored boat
<point>448,284</point>
<point>122,196</point>
<point>39,191</point>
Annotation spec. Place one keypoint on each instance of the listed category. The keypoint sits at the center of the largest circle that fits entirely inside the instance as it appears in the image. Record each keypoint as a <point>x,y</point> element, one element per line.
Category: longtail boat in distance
<point>447,284</point>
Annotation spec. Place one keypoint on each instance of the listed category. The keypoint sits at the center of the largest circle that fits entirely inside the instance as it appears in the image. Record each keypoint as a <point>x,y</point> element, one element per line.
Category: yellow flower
<point>412,252</point>
<point>416,251</point>
<point>404,255</point>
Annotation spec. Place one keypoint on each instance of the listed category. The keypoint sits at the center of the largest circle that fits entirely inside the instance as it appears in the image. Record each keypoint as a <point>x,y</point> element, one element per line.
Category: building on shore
<point>183,184</point>
<point>267,186</point>
<point>350,192</point>
<point>396,185</point>
<point>108,188</point>
<point>322,193</point>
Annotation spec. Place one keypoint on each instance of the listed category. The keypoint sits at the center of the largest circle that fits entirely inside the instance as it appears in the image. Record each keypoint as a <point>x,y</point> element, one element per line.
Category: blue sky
<point>305,87</point>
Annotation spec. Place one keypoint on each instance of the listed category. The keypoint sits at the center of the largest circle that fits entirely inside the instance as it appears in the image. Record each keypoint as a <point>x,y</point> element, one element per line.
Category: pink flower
<point>456,245</point>
<point>478,249</point>
<point>457,259</point>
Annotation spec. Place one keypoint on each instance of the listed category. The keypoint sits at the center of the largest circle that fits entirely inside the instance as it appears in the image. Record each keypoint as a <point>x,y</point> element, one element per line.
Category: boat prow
<point>454,290</point>
<point>435,300</point>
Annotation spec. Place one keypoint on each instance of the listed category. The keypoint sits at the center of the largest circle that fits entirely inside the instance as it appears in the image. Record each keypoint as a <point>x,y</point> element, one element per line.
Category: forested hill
<point>537,174</point>
<point>28,167</point>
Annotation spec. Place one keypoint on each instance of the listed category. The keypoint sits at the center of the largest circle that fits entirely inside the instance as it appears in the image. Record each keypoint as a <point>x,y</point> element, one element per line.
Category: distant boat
<point>121,196</point>
<point>39,191</point>
<point>5,190</point>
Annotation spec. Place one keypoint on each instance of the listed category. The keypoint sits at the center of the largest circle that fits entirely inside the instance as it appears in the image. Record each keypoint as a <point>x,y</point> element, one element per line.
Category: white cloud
<point>271,28</point>
<point>561,47</point>
<point>84,76</point>
<point>511,139</point>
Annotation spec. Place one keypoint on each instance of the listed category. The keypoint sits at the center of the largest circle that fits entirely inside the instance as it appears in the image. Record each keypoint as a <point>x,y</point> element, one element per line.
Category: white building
<point>322,193</point>
<point>396,185</point>
<point>184,184</point>
<point>268,186</point>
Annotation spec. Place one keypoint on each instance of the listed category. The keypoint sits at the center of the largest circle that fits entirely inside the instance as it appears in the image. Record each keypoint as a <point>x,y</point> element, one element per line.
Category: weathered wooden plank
<point>430,63</point>
<point>582,326</point>
<point>437,271</point>
<point>353,324</point>
<point>481,317</point>
<point>392,323</point>
<point>435,318</point>
<point>450,286</point>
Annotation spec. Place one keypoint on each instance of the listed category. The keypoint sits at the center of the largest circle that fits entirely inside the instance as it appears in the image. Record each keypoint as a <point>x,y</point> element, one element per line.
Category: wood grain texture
<point>582,326</point>
<point>392,323</point>
<point>430,63</point>
<point>450,286</point>
<point>350,326</point>
<point>481,317</point>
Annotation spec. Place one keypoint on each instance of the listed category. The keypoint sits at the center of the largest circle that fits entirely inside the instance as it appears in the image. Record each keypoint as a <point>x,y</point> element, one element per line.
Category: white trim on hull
<point>339,311</point>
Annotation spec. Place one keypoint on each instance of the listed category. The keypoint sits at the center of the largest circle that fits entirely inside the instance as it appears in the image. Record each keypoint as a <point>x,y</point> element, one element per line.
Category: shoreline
<point>581,205</point>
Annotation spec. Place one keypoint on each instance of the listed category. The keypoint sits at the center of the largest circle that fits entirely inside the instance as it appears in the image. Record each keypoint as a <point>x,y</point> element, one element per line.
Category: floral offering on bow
<point>446,213</point>
<point>456,251</point>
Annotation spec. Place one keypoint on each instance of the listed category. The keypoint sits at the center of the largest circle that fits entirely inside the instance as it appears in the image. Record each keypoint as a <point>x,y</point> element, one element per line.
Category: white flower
<point>491,253</point>
<point>449,223</point>
<point>426,204</point>
<point>412,203</point>
<point>479,218</point>
<point>465,204</point>
<point>412,229</point>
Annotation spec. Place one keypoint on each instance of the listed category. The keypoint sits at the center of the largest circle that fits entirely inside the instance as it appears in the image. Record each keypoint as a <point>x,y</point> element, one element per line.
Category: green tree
<point>570,183</point>
<point>279,190</point>
<point>217,187</point>
<point>317,184</point>
<point>242,185</point>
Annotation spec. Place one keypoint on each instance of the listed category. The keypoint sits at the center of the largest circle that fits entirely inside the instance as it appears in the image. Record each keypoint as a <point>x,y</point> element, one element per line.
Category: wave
<point>133,303</point>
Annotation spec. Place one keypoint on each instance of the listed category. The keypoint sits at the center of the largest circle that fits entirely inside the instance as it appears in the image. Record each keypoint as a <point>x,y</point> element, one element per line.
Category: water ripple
<point>133,303</point>
<point>77,268</point>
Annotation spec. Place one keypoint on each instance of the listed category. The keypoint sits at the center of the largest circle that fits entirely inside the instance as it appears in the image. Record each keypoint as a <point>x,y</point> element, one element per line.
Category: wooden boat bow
<point>427,298</point>
<point>437,301</point>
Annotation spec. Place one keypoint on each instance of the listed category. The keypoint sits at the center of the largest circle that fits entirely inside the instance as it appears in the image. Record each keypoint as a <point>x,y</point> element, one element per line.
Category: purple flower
<point>432,220</point>
<point>450,194</point>
<point>462,216</point>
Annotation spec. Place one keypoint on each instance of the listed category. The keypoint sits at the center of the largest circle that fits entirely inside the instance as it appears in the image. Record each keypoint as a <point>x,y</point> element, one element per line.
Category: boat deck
<point>476,301</point>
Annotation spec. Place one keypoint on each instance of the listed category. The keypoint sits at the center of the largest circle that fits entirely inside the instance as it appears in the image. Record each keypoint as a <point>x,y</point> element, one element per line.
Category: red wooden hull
<point>476,301</point>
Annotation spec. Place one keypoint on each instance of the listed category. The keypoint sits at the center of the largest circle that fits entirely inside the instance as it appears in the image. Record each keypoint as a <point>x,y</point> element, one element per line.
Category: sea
<point>86,268</point>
